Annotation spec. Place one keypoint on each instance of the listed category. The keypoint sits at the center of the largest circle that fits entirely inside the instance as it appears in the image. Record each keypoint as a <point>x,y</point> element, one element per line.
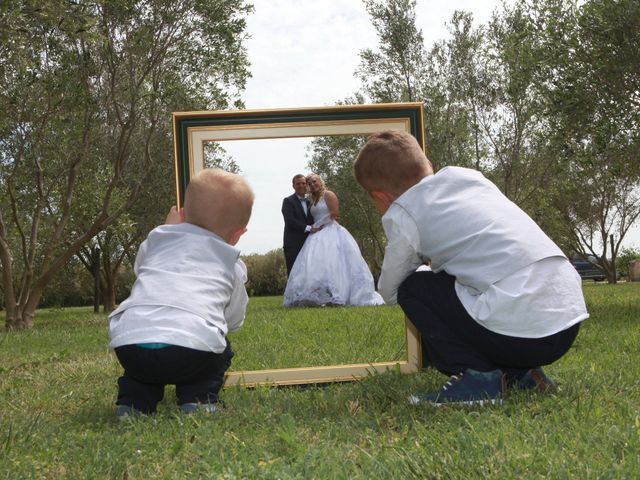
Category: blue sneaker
<point>468,388</point>
<point>125,411</point>
<point>535,379</point>
<point>198,407</point>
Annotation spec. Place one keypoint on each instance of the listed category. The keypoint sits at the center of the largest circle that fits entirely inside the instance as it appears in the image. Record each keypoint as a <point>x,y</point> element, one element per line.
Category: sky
<point>304,53</point>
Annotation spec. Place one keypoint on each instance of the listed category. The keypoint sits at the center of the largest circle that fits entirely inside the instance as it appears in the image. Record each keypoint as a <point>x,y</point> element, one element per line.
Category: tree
<point>507,115</point>
<point>113,246</point>
<point>452,100</point>
<point>87,90</point>
<point>624,259</point>
<point>392,73</point>
<point>396,72</point>
<point>593,99</point>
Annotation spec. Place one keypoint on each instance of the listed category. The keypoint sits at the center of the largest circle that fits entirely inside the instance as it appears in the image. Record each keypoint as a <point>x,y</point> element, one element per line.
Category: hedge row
<point>267,273</point>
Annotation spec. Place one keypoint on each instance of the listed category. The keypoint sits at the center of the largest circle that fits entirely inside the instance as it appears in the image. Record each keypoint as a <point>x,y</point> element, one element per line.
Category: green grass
<point>58,384</point>
<point>277,337</point>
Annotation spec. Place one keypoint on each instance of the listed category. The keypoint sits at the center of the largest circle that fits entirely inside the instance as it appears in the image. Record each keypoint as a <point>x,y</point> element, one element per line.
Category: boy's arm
<point>174,216</point>
<point>142,250</point>
<point>236,308</point>
<point>400,257</point>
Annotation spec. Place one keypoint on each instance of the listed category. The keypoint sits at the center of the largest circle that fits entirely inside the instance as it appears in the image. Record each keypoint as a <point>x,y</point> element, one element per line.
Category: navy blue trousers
<point>197,375</point>
<point>452,341</point>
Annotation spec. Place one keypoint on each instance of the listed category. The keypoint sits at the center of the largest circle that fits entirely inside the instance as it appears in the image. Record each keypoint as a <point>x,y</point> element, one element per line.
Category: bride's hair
<point>315,197</point>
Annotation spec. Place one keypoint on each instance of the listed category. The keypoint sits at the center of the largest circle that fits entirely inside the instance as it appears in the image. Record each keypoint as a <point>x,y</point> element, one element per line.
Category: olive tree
<point>86,90</point>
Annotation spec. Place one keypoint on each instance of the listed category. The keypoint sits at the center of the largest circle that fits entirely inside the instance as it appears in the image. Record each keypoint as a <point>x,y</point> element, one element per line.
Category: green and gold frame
<point>192,130</point>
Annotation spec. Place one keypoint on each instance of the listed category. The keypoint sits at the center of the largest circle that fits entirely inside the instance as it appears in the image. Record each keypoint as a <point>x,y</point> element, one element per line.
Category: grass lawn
<point>58,384</point>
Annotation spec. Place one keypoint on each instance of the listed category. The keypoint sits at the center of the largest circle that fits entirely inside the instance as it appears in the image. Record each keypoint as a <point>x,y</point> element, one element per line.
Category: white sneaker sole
<point>415,400</point>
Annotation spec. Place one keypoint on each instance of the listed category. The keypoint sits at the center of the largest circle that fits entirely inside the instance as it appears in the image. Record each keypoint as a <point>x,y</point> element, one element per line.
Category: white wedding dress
<point>330,270</point>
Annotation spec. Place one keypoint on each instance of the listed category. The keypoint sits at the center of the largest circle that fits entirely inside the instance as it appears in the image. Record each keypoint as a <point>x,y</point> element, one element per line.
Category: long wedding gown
<point>330,270</point>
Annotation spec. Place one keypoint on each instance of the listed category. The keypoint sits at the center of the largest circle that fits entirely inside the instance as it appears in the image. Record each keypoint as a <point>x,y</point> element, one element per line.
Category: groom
<point>297,221</point>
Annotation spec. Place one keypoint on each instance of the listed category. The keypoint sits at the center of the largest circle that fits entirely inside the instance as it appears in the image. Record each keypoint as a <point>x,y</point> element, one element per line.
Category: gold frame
<point>191,130</point>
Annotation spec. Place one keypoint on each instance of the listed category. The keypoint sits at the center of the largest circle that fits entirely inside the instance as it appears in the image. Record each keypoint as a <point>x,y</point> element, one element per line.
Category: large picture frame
<point>192,130</point>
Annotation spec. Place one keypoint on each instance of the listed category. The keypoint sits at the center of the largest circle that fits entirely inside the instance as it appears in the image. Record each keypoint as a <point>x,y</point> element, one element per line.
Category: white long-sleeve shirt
<point>189,291</point>
<point>510,277</point>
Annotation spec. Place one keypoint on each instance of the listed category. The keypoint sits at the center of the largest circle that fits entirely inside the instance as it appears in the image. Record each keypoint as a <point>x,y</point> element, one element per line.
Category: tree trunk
<point>613,276</point>
<point>15,319</point>
<point>109,294</point>
<point>95,271</point>
<point>20,317</point>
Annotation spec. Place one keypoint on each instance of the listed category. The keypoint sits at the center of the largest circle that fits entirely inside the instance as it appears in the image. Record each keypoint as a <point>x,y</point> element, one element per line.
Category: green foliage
<point>71,287</point>
<point>592,57</point>
<point>395,73</point>
<point>215,156</point>
<point>453,97</point>
<point>626,256</point>
<point>87,90</point>
<point>542,99</point>
<point>267,273</point>
<point>58,384</point>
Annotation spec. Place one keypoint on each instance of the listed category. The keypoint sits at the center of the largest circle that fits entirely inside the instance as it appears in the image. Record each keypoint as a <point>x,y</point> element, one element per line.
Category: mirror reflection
<point>275,337</point>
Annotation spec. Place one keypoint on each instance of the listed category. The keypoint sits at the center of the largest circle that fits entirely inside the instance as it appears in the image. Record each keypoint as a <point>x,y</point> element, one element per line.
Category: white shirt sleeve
<point>140,257</point>
<point>400,256</point>
<point>236,309</point>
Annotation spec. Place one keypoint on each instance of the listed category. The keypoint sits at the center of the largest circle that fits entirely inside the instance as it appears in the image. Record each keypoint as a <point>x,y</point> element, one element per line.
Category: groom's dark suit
<point>295,223</point>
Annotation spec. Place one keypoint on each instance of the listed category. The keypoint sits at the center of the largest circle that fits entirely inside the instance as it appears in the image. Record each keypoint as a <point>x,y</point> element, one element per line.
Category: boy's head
<point>390,162</point>
<point>220,202</point>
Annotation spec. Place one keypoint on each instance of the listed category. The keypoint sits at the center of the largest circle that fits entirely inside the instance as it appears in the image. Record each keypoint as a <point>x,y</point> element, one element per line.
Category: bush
<point>267,273</point>
<point>71,286</point>
<point>624,258</point>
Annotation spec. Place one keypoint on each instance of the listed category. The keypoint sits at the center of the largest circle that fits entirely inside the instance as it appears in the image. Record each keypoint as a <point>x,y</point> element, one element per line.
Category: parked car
<point>588,268</point>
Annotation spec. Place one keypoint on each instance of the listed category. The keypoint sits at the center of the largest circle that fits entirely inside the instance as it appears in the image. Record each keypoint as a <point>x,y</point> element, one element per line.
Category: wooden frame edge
<point>267,118</point>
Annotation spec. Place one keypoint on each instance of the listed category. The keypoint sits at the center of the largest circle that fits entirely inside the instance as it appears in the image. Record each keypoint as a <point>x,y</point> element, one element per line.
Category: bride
<point>329,270</point>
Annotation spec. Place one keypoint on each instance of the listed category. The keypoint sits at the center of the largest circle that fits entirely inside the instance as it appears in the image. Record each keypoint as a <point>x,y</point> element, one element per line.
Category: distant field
<point>58,385</point>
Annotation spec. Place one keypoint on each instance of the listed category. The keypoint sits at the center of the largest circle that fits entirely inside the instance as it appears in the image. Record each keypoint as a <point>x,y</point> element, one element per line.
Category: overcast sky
<point>304,53</point>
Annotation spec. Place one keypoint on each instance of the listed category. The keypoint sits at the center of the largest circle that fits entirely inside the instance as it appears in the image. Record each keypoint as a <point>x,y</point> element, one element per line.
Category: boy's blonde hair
<point>218,201</point>
<point>391,161</point>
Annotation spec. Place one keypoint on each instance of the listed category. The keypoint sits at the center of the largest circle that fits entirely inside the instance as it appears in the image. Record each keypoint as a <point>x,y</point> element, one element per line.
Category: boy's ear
<point>382,200</point>
<point>429,167</point>
<point>235,236</point>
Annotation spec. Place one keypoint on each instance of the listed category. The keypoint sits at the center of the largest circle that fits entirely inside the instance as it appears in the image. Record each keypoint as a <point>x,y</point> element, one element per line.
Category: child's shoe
<point>468,388</point>
<point>194,407</point>
<point>535,379</point>
<point>126,411</point>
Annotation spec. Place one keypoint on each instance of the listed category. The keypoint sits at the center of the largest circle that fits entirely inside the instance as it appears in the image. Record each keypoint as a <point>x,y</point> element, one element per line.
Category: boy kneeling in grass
<point>500,299</point>
<point>189,292</point>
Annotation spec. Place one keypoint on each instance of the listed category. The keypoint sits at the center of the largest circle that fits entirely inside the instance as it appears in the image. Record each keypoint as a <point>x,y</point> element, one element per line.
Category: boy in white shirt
<point>188,294</point>
<point>500,298</point>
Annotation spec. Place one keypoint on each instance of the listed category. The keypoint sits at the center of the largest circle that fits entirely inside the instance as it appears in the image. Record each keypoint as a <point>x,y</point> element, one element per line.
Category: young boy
<point>500,298</point>
<point>189,292</point>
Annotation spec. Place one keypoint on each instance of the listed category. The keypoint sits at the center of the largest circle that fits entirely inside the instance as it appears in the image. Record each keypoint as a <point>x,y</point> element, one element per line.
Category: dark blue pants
<point>197,375</point>
<point>290,255</point>
<point>452,341</point>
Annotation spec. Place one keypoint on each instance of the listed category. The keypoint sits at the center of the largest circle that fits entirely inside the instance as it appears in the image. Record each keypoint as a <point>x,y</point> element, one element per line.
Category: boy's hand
<point>174,216</point>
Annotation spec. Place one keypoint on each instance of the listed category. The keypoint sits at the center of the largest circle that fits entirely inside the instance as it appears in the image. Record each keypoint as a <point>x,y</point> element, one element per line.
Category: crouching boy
<point>500,299</point>
<point>189,292</point>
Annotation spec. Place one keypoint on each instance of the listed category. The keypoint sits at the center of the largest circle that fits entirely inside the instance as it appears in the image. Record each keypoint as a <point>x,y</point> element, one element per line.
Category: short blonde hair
<point>218,201</point>
<point>391,161</point>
